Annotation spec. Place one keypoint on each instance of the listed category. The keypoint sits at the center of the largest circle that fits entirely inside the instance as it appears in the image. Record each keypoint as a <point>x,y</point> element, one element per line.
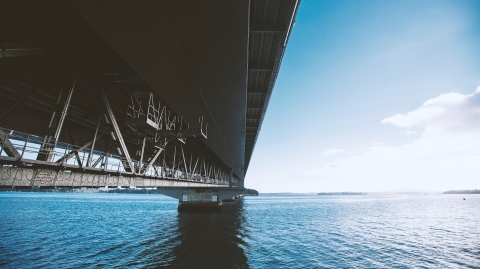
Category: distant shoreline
<point>462,192</point>
<point>342,193</point>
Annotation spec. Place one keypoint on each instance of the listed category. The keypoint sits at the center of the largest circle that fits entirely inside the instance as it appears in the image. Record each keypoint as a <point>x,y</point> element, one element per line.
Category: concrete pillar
<point>199,200</point>
<point>195,199</point>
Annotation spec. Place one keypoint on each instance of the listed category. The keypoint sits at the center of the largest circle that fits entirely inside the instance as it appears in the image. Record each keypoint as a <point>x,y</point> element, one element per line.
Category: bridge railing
<point>27,148</point>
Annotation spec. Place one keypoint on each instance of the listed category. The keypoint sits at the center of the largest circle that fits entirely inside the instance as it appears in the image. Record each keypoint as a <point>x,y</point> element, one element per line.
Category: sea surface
<point>94,230</point>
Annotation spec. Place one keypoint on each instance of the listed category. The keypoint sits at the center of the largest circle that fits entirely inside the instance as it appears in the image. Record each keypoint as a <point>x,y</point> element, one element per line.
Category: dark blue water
<point>45,230</point>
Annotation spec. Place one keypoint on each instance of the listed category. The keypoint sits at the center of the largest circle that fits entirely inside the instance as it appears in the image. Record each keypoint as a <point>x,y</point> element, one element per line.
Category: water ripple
<point>45,230</point>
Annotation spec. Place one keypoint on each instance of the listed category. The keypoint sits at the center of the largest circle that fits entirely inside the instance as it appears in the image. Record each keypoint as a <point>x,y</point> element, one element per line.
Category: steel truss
<point>174,162</point>
<point>168,146</point>
<point>56,123</point>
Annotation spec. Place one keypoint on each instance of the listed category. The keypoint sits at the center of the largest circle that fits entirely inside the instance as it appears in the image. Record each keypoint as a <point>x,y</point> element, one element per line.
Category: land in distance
<point>462,192</point>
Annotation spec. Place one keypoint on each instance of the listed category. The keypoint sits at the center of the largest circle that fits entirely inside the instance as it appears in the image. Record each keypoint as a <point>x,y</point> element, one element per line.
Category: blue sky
<point>349,68</point>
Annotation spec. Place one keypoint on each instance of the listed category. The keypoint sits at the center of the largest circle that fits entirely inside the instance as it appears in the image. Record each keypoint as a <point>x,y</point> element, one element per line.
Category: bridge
<point>147,94</point>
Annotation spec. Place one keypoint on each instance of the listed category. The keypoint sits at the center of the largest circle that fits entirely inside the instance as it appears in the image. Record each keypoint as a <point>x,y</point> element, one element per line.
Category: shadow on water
<point>207,240</point>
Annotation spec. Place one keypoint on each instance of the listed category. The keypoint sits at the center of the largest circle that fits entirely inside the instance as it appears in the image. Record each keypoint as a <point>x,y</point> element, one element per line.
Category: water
<point>65,230</point>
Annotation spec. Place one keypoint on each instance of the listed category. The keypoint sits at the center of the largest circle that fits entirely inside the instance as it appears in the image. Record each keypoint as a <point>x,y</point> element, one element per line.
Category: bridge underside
<point>71,71</point>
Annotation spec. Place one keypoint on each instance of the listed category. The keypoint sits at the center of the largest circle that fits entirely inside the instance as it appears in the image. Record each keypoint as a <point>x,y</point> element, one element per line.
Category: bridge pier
<point>200,199</point>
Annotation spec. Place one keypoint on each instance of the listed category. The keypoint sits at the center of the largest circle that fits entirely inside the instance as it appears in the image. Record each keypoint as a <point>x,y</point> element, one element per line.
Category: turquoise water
<point>65,230</point>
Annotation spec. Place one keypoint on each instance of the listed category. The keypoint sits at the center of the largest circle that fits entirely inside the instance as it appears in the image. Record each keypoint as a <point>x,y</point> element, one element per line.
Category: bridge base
<point>199,207</point>
<point>200,199</point>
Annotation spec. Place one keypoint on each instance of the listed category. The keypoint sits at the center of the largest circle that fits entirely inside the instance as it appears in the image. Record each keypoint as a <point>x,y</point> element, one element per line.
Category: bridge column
<point>194,200</point>
<point>200,199</point>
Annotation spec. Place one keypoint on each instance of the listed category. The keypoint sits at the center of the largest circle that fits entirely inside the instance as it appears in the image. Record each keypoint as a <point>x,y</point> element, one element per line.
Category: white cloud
<point>445,155</point>
<point>447,112</point>
<point>333,151</point>
<point>416,117</point>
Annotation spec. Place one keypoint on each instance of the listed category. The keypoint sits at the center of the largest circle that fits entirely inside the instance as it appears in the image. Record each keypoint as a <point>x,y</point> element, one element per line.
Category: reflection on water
<point>201,240</point>
<point>208,240</point>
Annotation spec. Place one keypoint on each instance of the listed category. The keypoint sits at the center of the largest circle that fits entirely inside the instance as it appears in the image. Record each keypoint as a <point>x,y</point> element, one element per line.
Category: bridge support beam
<point>118,138</point>
<point>7,146</point>
<point>55,126</point>
<point>200,199</point>
<point>11,177</point>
